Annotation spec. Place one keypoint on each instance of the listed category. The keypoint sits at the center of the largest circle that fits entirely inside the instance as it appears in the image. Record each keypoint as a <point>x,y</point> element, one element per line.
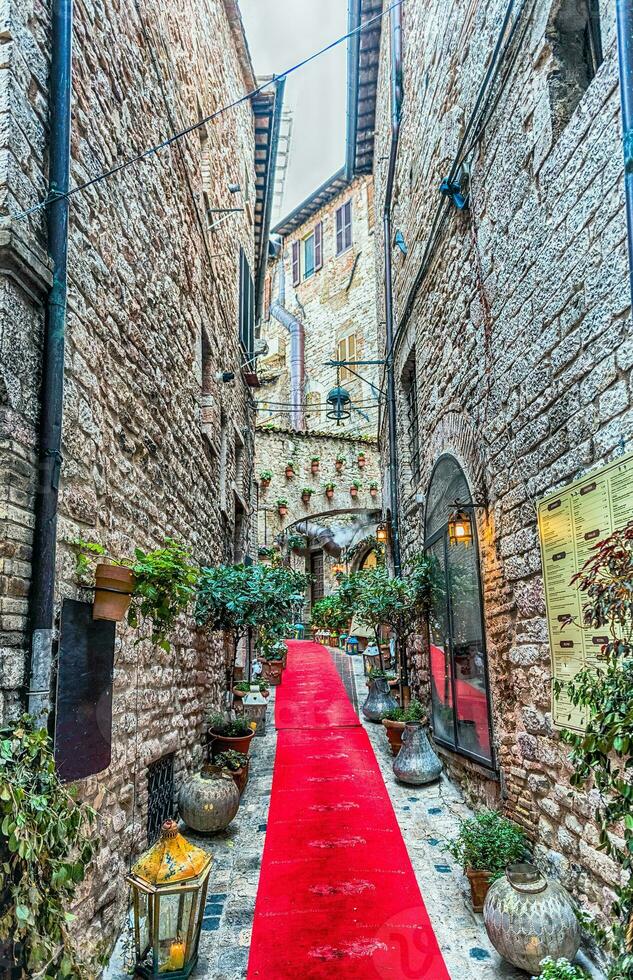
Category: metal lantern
<point>460,529</point>
<point>340,401</point>
<point>371,658</point>
<point>382,534</point>
<point>255,704</point>
<point>351,645</point>
<point>169,888</point>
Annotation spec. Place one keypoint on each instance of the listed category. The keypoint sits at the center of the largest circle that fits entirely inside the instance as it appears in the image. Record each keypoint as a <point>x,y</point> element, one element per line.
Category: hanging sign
<point>570,523</point>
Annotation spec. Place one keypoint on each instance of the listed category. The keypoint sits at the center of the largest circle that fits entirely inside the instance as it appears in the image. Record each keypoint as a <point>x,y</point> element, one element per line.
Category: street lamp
<point>340,401</point>
<point>169,886</point>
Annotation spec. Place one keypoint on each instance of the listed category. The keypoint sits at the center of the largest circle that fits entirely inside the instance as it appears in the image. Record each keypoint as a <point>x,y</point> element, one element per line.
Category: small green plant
<point>296,542</point>
<point>330,486</point>
<point>229,727</point>
<point>560,969</point>
<point>84,552</point>
<point>340,459</point>
<point>46,846</point>
<point>357,485</point>
<point>488,842</point>
<point>266,475</point>
<point>165,583</point>
<point>377,673</point>
<point>373,485</point>
<point>290,466</point>
<point>414,711</point>
<point>315,459</point>
<point>282,502</point>
<point>306,492</point>
<point>231,760</point>
<point>245,686</point>
<point>361,454</point>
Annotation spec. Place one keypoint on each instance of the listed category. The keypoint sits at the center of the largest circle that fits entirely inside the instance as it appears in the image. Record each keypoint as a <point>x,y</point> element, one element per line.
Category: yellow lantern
<point>169,889</point>
<point>382,534</point>
<point>460,530</point>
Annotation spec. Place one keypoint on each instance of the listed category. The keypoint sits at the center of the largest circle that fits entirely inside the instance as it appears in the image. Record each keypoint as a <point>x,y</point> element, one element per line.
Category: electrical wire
<point>168,141</point>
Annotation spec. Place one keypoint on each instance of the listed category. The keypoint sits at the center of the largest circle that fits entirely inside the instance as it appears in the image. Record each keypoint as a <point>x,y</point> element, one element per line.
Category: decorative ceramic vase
<point>379,700</point>
<point>528,917</point>
<point>416,762</point>
<point>209,800</point>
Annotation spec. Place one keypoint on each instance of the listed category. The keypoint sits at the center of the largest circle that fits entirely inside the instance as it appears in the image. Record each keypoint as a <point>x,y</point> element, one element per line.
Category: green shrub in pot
<point>485,845</point>
<point>560,969</point>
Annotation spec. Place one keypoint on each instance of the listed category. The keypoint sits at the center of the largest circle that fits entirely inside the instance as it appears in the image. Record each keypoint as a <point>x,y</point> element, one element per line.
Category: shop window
<point>458,668</point>
<point>576,41</point>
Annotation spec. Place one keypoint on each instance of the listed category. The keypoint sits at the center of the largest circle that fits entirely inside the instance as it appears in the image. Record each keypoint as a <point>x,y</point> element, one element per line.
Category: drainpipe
<point>396,103</point>
<point>280,85</point>
<point>52,392</point>
<point>624,20</point>
<point>297,351</point>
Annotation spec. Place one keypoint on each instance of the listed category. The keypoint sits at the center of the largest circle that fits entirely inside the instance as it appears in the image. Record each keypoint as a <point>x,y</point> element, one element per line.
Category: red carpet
<point>337,895</point>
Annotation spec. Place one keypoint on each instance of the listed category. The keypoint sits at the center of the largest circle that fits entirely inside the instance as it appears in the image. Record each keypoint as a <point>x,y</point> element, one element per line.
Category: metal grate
<point>160,795</point>
<point>410,384</point>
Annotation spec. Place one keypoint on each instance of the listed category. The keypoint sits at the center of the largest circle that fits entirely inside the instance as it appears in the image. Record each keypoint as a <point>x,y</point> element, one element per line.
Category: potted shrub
<point>315,462</point>
<point>355,487</point>
<point>235,763</point>
<point>290,470</point>
<point>373,488</point>
<point>272,667</point>
<point>264,478</point>
<point>243,687</point>
<point>282,507</point>
<point>306,493</point>
<point>485,845</point>
<point>226,733</point>
<point>329,490</point>
<point>395,721</point>
<point>361,459</point>
<point>339,463</point>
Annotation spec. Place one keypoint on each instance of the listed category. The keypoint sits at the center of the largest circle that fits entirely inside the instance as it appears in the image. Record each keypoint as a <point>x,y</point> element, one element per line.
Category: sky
<point>280,33</point>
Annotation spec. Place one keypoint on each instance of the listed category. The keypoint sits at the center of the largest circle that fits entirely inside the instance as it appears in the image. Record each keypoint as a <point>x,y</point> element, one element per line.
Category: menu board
<point>570,523</point>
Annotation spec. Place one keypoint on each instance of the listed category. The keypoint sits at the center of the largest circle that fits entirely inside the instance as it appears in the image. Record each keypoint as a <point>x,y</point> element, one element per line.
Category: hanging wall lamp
<point>340,401</point>
<point>382,533</point>
<point>460,527</point>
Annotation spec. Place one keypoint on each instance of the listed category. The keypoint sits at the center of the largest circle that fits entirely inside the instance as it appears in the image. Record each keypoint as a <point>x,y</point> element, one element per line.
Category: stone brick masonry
<point>152,444</point>
<point>522,341</point>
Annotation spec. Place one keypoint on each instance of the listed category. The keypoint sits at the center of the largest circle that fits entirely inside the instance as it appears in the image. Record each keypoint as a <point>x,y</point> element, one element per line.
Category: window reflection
<point>459,691</point>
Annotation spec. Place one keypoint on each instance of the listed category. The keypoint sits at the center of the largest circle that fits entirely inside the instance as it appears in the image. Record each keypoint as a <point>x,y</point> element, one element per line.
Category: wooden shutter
<point>347,224</point>
<point>296,263</point>
<point>268,287</point>
<point>339,231</point>
<point>246,304</point>
<point>318,245</point>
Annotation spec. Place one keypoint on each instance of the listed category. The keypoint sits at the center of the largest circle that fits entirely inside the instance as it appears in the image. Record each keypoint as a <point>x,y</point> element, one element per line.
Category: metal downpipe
<point>297,352</point>
<point>624,20</point>
<point>52,391</point>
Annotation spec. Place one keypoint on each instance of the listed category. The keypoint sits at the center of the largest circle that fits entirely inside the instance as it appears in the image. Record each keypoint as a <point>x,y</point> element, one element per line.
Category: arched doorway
<point>459,676</point>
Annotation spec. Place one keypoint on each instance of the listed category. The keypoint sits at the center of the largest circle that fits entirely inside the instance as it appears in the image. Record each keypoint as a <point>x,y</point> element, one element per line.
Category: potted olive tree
<point>485,845</point>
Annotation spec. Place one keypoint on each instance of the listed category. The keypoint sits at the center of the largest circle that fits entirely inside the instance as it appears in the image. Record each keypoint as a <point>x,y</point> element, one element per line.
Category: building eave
<point>236,24</point>
<point>363,61</point>
<point>267,110</point>
<point>330,189</point>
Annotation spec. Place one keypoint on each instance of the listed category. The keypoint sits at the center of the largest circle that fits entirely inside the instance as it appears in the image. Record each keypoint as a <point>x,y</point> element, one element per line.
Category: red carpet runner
<point>337,895</point>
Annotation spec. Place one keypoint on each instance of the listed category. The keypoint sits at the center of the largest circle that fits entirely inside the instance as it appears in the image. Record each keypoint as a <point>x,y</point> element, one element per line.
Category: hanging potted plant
<point>315,462</point>
<point>355,487</point>
<point>290,470</point>
<point>485,845</point>
<point>329,490</point>
<point>282,507</point>
<point>361,459</point>
<point>339,463</point>
<point>373,488</point>
<point>264,479</point>
<point>306,493</point>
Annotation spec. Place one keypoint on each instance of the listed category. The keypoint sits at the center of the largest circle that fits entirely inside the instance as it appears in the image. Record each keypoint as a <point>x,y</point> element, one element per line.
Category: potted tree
<point>394,723</point>
<point>355,487</point>
<point>282,506</point>
<point>306,493</point>
<point>329,489</point>
<point>339,463</point>
<point>290,470</point>
<point>264,479</point>
<point>315,462</point>
<point>226,733</point>
<point>485,845</point>
<point>373,488</point>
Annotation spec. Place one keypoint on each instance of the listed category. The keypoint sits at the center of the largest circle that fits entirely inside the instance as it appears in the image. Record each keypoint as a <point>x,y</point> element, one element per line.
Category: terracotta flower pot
<point>264,484</point>
<point>113,592</point>
<point>222,743</point>
<point>240,694</point>
<point>329,494</point>
<point>314,467</point>
<point>289,472</point>
<point>240,776</point>
<point>305,497</point>
<point>339,466</point>
<point>394,730</point>
<point>282,511</point>
<point>361,462</point>
<point>353,492</point>
<point>272,671</point>
<point>479,885</point>
<point>373,492</point>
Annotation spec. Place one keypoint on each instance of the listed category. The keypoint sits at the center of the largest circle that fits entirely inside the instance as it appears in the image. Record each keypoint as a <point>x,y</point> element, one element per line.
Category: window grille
<point>160,795</point>
<point>410,386</point>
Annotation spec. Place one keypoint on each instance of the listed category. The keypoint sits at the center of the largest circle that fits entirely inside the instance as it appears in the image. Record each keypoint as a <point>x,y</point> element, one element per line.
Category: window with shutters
<point>268,297</point>
<point>346,351</point>
<point>308,256</point>
<point>318,246</point>
<point>344,227</point>
<point>296,263</point>
<point>246,305</point>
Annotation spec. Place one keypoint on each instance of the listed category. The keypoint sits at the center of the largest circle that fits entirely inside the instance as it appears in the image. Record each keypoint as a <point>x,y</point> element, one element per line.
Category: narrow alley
<point>316,490</point>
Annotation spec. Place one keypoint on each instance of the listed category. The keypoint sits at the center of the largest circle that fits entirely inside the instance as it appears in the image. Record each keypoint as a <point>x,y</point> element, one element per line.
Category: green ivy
<point>46,845</point>
<point>165,583</point>
<point>601,756</point>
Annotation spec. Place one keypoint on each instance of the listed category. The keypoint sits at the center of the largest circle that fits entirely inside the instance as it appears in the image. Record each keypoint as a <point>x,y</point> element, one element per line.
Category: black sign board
<point>83,718</point>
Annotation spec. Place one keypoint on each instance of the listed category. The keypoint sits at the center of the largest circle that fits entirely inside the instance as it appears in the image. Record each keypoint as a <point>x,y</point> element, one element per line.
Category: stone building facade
<point>154,445</point>
<point>513,346</point>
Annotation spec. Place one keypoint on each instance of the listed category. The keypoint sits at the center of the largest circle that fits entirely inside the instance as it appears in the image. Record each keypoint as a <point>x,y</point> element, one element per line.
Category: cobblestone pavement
<point>427,816</point>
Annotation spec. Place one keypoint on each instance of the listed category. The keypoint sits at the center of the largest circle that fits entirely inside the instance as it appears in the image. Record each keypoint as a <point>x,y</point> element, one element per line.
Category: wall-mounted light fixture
<point>460,527</point>
<point>382,533</point>
<point>340,401</point>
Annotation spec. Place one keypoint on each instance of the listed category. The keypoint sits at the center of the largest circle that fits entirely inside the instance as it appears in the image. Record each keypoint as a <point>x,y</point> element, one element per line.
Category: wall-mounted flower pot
<point>314,467</point>
<point>373,491</point>
<point>113,592</point>
<point>282,511</point>
<point>339,465</point>
<point>329,494</point>
<point>264,484</point>
<point>353,492</point>
<point>361,462</point>
<point>289,472</point>
<point>306,497</point>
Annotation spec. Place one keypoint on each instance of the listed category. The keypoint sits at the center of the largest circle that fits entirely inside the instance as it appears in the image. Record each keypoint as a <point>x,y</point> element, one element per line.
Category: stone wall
<point>153,445</point>
<point>336,300</point>
<point>522,343</point>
